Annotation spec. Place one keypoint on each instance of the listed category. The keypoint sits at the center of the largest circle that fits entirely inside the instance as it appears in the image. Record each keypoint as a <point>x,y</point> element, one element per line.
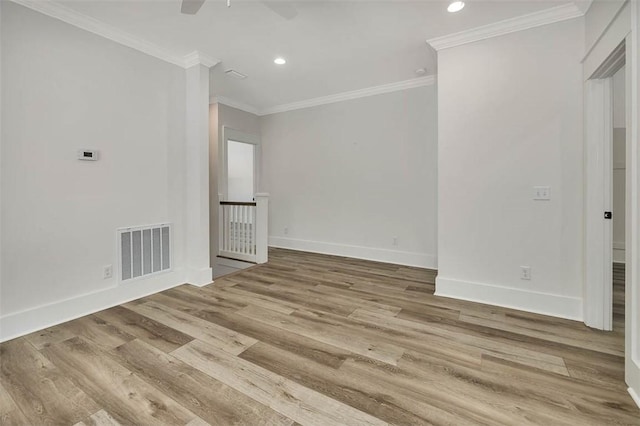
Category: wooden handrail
<point>243,233</point>
<point>237,203</point>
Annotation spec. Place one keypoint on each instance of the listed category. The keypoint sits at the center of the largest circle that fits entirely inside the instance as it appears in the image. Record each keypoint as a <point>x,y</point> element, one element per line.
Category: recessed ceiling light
<point>455,6</point>
<point>279,61</point>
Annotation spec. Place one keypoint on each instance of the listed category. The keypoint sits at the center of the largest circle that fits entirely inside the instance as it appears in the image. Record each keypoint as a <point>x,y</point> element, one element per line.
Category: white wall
<point>598,18</point>
<point>348,177</point>
<point>619,166</point>
<point>64,89</point>
<point>238,120</point>
<point>509,119</point>
<point>607,23</point>
<point>619,194</point>
<point>619,99</point>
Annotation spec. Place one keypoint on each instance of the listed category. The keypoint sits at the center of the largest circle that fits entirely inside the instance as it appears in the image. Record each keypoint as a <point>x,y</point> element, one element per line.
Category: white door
<point>598,307</point>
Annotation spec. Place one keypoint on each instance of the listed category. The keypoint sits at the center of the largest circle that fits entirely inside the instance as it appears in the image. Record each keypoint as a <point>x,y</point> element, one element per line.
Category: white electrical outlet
<point>286,230</point>
<point>395,241</point>
<point>107,272</point>
<point>541,192</point>
<point>525,272</point>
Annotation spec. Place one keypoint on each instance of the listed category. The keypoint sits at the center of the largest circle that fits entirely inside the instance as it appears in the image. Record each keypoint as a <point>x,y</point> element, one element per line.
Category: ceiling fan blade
<point>282,8</point>
<point>191,7</point>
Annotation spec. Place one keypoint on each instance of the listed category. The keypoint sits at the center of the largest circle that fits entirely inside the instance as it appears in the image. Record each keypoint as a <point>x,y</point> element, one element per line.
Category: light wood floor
<point>313,339</point>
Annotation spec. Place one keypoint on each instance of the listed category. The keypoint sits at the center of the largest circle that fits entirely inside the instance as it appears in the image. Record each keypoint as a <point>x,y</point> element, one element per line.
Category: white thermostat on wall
<point>88,154</point>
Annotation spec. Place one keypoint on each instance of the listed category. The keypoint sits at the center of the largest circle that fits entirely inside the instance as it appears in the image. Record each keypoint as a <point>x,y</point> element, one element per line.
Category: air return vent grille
<point>235,74</point>
<point>144,250</point>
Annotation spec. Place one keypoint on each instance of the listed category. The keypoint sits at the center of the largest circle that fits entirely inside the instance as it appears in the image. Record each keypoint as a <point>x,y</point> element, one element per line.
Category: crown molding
<point>355,94</point>
<point>583,5</point>
<point>198,58</point>
<point>339,97</point>
<point>524,22</point>
<point>234,104</point>
<point>92,25</point>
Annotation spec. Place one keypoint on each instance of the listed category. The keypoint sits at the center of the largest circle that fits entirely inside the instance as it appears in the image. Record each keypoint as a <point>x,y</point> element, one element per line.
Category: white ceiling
<point>330,46</point>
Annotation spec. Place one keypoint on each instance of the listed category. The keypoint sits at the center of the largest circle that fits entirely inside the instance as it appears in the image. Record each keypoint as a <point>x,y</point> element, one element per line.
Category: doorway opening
<point>240,154</point>
<point>241,220</point>
<point>240,171</point>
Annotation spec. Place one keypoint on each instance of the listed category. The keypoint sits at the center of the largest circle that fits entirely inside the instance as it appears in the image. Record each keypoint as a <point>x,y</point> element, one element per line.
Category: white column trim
<point>197,196</point>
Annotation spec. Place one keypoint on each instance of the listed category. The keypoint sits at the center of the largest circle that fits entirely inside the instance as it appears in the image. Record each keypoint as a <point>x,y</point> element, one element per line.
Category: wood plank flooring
<point>317,340</point>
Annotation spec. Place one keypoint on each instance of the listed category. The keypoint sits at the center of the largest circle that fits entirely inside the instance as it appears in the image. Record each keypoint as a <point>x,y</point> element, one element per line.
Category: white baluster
<point>241,229</point>
<point>226,228</point>
<point>220,228</point>
<point>234,227</point>
<point>252,232</point>
<point>262,232</point>
<point>247,230</point>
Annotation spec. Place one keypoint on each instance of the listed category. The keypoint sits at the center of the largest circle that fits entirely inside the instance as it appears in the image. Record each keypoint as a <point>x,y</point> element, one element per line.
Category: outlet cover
<point>541,193</point>
<point>107,272</point>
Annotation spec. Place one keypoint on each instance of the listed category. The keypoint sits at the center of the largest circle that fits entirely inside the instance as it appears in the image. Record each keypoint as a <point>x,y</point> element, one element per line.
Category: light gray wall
<point>510,118</point>
<point>237,120</point>
<point>619,165</point>
<point>348,177</point>
<point>65,89</point>
<point>619,99</point>
<point>619,193</point>
<point>598,17</point>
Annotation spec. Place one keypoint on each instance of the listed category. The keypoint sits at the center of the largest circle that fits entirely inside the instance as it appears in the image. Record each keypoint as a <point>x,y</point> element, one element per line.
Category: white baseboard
<point>632,376</point>
<point>199,277</point>
<point>524,300</point>
<point>634,395</point>
<point>24,322</point>
<point>367,253</point>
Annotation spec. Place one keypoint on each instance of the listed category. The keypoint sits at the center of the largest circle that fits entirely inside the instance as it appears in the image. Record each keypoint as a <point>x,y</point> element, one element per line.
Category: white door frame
<point>598,300</point>
<point>238,136</point>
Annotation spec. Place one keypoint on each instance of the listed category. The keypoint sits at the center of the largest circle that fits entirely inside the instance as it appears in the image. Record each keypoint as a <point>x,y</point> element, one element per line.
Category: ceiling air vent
<point>235,74</point>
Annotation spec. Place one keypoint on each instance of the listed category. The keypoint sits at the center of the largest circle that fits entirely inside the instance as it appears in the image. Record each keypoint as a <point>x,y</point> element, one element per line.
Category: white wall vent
<point>236,74</point>
<point>144,250</point>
